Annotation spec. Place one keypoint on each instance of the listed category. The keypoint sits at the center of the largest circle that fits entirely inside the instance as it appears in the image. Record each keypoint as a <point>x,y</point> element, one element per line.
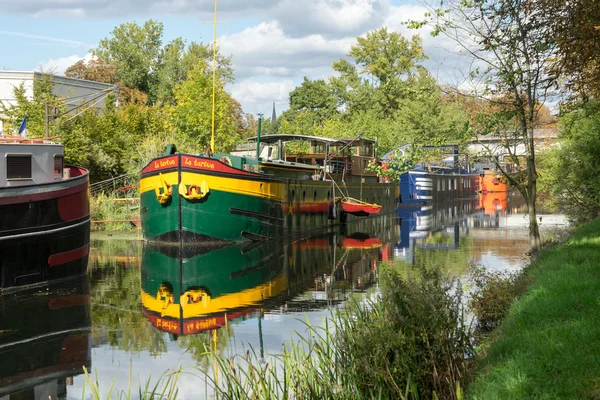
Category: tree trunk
<point>534,230</point>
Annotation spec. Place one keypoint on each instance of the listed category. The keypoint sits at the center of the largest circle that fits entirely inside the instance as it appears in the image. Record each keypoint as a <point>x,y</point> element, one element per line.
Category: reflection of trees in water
<point>116,309</point>
<point>200,344</point>
<point>109,252</point>
<point>454,261</point>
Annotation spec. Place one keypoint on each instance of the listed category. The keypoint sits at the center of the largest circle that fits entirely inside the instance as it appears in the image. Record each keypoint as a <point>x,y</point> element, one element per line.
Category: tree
<point>134,51</point>
<point>383,61</point>
<point>571,169</point>
<point>511,49</point>
<point>318,97</point>
<point>144,66</point>
<point>191,117</point>
<point>575,26</point>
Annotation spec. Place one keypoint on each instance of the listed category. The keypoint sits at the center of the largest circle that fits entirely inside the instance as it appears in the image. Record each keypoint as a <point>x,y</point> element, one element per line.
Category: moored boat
<point>431,181</point>
<point>44,229</point>
<point>226,197</point>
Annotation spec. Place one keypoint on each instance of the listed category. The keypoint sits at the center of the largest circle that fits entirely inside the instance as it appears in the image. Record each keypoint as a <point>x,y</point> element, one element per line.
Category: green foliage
<point>571,169</point>
<point>548,343</point>
<point>384,93</point>
<point>142,62</point>
<point>108,142</point>
<point>493,294</point>
<point>134,50</point>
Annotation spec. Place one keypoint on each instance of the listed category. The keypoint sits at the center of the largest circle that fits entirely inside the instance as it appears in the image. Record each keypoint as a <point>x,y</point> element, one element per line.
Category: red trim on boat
<point>211,322</point>
<point>166,324</point>
<point>45,195</point>
<point>74,206</point>
<point>162,163</point>
<point>68,256</point>
<point>210,164</point>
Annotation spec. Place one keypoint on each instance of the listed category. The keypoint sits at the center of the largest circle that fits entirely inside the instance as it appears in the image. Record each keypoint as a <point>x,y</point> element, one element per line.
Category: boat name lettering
<point>163,163</point>
<point>200,325</point>
<point>198,163</point>
<point>166,324</point>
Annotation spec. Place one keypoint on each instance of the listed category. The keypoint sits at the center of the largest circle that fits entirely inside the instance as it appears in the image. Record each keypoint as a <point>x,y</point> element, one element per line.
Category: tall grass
<point>165,388</point>
<point>410,343</point>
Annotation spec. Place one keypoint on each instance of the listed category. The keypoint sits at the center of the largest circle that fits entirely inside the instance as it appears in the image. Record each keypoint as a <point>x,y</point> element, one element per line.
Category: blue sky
<point>273,44</point>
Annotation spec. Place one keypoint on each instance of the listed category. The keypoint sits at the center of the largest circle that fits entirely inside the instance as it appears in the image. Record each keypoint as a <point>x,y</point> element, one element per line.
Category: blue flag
<point>23,127</point>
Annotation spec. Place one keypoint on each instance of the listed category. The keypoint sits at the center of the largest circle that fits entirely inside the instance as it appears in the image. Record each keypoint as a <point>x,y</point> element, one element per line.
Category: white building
<point>78,89</point>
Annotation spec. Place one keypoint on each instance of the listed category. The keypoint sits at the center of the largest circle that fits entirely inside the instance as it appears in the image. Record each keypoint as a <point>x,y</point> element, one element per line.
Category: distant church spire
<point>274,116</point>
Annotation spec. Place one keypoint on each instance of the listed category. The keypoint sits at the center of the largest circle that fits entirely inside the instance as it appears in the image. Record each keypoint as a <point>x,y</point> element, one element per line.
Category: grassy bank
<point>548,346</point>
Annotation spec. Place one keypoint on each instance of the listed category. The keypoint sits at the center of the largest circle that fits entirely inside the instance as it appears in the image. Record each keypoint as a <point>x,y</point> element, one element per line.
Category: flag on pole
<point>23,127</point>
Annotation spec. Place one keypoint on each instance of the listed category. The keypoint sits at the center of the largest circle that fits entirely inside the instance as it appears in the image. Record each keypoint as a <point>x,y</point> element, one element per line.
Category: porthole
<point>328,195</point>
<point>315,196</point>
<point>303,195</point>
<point>261,186</point>
<point>293,193</point>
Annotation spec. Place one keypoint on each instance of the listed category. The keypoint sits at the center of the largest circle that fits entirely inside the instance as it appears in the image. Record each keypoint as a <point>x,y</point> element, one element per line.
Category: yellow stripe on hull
<point>255,188</point>
<point>248,297</point>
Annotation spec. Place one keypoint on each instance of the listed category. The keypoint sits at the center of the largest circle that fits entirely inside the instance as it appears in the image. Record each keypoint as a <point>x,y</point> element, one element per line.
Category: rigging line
<point>98,96</point>
<point>86,95</point>
<point>83,110</point>
<point>95,96</point>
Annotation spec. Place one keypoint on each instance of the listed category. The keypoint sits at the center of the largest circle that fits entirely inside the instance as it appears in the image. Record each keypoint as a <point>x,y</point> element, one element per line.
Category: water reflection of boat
<point>184,295</point>
<point>493,205</point>
<point>44,340</point>
<point>190,290</point>
<point>417,225</point>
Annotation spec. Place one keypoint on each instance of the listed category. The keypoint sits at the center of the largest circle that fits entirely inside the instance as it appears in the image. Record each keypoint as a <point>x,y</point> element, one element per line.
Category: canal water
<point>148,309</point>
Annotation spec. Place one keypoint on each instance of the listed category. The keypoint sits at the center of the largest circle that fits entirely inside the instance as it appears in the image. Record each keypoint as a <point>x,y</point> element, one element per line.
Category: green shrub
<point>493,294</point>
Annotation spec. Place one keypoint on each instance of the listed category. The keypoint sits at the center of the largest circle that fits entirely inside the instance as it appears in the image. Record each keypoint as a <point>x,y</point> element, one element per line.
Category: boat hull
<point>241,205</point>
<point>44,232</point>
<point>418,187</point>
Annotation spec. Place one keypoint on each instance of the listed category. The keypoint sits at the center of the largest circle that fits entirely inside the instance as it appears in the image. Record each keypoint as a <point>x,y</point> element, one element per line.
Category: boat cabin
<point>344,156</point>
<point>30,161</point>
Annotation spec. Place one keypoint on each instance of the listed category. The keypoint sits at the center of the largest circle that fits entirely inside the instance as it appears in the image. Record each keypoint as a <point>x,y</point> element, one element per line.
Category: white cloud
<point>266,50</point>
<point>335,18</point>
<point>258,97</point>
<point>59,65</point>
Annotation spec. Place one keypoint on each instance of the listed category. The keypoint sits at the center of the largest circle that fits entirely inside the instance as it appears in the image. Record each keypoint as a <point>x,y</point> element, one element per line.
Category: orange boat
<point>491,181</point>
<point>360,208</point>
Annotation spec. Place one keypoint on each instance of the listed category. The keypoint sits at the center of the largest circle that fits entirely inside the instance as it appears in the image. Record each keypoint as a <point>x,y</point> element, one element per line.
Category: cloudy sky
<point>273,43</point>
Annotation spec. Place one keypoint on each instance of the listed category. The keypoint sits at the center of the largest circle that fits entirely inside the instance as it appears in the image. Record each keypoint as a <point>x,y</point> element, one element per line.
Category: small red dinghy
<point>360,208</point>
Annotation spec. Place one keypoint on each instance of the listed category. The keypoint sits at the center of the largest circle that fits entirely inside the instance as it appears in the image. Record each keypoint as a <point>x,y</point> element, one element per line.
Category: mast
<point>212,135</point>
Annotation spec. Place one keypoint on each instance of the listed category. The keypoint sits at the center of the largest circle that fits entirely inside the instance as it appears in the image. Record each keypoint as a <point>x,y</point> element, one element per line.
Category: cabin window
<point>18,167</point>
<point>58,165</point>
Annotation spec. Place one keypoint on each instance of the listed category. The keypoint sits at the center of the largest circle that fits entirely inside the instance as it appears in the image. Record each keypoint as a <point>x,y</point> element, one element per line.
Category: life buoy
<point>226,160</point>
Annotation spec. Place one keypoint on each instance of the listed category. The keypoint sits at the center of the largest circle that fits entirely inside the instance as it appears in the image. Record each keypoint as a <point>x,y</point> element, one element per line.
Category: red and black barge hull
<point>44,231</point>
